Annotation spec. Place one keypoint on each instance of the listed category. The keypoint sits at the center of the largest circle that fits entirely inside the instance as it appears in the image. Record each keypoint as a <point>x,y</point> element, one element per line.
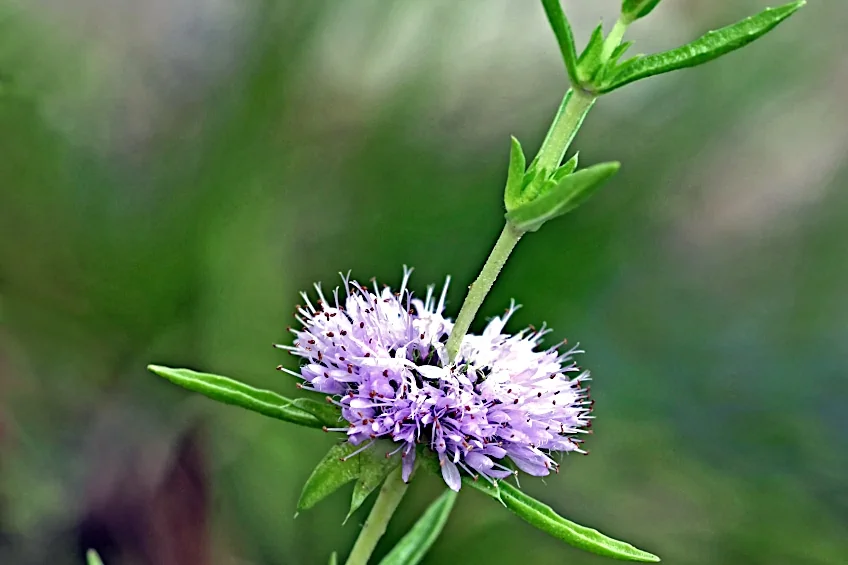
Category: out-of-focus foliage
<point>171,173</point>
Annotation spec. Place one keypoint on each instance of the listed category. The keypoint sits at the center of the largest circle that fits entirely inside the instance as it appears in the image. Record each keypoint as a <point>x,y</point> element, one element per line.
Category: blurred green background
<point>172,172</point>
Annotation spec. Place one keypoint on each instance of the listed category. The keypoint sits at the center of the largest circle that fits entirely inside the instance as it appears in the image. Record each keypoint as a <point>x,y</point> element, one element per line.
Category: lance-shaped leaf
<point>590,60</point>
<point>515,176</point>
<point>632,10</point>
<point>337,468</point>
<point>411,549</point>
<point>543,517</point>
<point>372,473</point>
<point>303,411</point>
<point>344,462</point>
<point>566,169</point>
<point>569,193</point>
<point>92,558</point>
<point>711,46</point>
<point>564,35</point>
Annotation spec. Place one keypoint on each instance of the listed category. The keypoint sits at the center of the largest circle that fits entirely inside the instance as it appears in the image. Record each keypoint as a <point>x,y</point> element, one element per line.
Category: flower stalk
<point>481,286</point>
<point>375,526</point>
<point>572,111</point>
<point>613,40</point>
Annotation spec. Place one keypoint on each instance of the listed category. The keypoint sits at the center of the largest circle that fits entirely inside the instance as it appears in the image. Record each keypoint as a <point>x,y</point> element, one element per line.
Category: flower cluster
<point>381,357</point>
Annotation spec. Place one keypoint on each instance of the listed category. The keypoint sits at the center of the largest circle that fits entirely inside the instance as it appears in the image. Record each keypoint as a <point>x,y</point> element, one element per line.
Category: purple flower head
<point>381,356</point>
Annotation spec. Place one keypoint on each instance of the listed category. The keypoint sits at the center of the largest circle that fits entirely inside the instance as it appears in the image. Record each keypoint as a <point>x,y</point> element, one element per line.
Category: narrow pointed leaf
<point>632,10</point>
<point>329,475</point>
<point>92,558</point>
<point>571,191</point>
<point>566,169</point>
<point>710,46</point>
<point>411,549</point>
<point>328,413</point>
<point>370,477</point>
<point>515,176</point>
<point>619,51</point>
<point>564,35</point>
<point>338,467</point>
<point>533,188</point>
<point>306,412</point>
<point>543,517</point>
<point>590,60</point>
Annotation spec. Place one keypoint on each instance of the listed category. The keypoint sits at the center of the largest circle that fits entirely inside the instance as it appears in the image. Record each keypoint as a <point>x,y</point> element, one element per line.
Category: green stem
<point>375,526</point>
<point>481,287</point>
<point>575,105</point>
<point>613,40</point>
<point>573,109</point>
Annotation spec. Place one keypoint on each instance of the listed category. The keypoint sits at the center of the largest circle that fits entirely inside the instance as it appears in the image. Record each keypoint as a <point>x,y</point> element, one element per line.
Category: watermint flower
<point>381,356</point>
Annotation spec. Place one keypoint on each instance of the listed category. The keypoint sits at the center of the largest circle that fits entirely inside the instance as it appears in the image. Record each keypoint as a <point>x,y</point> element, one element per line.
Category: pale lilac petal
<point>382,356</point>
<point>450,473</point>
<point>407,465</point>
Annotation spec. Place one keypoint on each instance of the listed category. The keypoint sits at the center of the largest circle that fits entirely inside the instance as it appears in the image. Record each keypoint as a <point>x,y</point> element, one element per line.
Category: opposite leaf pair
<point>534,197</point>
<point>369,467</point>
<point>597,69</point>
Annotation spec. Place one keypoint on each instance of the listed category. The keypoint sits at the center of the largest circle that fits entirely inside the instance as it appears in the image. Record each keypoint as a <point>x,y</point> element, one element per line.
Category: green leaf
<point>371,475</point>
<point>564,35</point>
<point>619,51</point>
<point>566,169</point>
<point>543,517</point>
<point>590,61</point>
<point>330,474</point>
<point>533,183</point>
<point>515,176</point>
<point>632,10</point>
<point>411,549</point>
<point>303,411</point>
<point>711,46</point>
<point>338,467</point>
<point>92,558</point>
<point>334,559</point>
<point>571,191</point>
<point>326,412</point>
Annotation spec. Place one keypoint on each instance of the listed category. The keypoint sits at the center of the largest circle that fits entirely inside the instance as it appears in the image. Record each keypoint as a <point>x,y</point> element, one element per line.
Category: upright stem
<point>575,105</point>
<point>481,287</point>
<point>613,40</point>
<point>375,526</point>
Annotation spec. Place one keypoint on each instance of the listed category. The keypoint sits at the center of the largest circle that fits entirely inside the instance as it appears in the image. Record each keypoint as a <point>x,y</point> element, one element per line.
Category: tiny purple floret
<point>381,356</point>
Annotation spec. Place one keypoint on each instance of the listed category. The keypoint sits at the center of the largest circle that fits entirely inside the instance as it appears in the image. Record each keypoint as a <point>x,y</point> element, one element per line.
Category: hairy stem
<point>613,40</point>
<point>375,526</point>
<point>575,105</point>
<point>481,287</point>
